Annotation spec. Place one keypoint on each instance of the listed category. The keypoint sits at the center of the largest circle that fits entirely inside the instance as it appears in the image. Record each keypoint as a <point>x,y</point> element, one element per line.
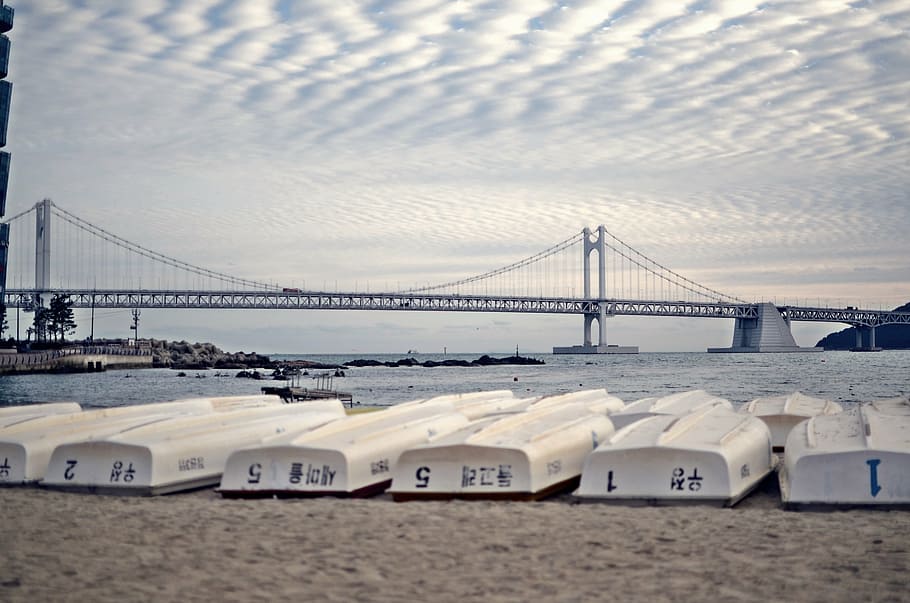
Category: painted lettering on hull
<point>874,487</point>
<point>679,480</point>
<point>423,477</point>
<point>380,466</point>
<point>255,473</point>
<point>191,464</point>
<point>122,472</point>
<point>610,485</point>
<point>310,475</point>
<point>498,476</point>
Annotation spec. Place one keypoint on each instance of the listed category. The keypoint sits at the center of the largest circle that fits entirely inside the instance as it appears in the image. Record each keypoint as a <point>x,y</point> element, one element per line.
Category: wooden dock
<point>301,394</point>
<point>323,390</point>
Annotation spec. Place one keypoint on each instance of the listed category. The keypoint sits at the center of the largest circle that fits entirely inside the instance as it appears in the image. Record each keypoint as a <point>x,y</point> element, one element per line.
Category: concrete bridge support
<point>865,339</point>
<point>768,332</point>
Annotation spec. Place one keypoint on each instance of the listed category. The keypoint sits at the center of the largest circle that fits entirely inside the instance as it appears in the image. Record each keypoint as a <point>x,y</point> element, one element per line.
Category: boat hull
<point>463,471</point>
<point>173,457</point>
<point>517,458</point>
<point>668,477</point>
<point>353,458</point>
<point>783,413</point>
<point>25,455</point>
<point>712,457</point>
<point>859,458</point>
<point>860,478</point>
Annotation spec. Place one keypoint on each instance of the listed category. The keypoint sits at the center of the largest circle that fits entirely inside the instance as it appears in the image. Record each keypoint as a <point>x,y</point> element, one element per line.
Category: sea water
<point>846,377</point>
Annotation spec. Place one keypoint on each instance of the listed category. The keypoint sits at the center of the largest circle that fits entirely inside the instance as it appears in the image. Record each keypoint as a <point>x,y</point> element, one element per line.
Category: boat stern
<point>285,471</point>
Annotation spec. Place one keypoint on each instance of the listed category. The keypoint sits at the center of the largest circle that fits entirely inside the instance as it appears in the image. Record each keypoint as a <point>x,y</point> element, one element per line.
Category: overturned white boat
<point>674,404</point>
<point>858,458</point>
<point>10,415</point>
<point>178,453</point>
<point>712,455</point>
<point>478,405</point>
<point>351,457</point>
<point>783,413</point>
<point>596,400</point>
<point>522,456</point>
<point>26,445</point>
<point>475,405</point>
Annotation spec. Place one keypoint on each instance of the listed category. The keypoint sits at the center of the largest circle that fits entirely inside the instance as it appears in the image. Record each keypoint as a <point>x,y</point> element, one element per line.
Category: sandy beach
<point>199,547</point>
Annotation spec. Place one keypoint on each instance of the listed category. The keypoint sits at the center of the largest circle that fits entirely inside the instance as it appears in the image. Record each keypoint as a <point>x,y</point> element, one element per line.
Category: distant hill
<point>888,337</point>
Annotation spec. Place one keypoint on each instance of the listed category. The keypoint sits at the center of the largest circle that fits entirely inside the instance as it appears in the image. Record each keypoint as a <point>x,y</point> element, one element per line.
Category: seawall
<point>73,360</point>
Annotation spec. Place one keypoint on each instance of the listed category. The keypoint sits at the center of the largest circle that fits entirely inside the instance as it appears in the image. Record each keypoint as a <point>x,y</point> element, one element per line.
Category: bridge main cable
<point>153,255</point>
<point>537,257</point>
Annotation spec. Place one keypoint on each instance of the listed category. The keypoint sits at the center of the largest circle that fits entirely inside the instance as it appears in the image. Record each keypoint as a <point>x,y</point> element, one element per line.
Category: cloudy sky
<point>759,148</point>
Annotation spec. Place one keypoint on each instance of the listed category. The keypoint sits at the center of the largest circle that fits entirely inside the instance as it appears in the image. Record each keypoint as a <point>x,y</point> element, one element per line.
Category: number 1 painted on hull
<point>873,476</point>
<point>610,485</point>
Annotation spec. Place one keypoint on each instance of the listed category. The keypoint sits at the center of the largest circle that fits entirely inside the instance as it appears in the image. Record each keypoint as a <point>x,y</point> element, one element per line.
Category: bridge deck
<point>303,300</point>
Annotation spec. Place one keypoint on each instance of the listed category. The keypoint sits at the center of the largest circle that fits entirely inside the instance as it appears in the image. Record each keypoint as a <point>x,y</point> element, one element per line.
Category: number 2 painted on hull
<point>873,476</point>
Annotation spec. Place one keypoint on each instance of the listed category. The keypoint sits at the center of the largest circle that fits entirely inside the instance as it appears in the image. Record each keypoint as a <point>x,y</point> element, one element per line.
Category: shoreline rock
<point>484,360</point>
<point>181,355</point>
<point>185,356</point>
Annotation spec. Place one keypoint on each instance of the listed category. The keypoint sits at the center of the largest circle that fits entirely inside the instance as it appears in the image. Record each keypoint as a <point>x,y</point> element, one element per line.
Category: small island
<point>887,337</point>
<point>482,361</point>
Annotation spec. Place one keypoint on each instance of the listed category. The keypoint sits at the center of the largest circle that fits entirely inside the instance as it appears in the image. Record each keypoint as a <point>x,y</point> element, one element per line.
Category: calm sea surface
<point>845,377</point>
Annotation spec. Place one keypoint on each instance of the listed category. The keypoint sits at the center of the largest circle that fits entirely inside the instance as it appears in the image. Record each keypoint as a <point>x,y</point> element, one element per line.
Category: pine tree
<point>60,317</point>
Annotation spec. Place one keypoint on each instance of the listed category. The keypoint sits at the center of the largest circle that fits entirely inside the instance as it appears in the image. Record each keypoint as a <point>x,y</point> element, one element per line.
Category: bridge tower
<point>599,245</point>
<point>43,245</point>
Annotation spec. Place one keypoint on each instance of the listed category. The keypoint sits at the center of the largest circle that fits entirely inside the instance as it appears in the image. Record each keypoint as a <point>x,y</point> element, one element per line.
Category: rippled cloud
<point>757,147</point>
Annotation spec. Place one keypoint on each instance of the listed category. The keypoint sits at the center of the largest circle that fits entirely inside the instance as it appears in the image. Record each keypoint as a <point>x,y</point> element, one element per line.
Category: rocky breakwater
<point>198,356</point>
<point>482,361</point>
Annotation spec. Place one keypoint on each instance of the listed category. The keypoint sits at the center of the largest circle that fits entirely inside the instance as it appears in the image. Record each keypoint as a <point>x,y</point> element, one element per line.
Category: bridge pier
<point>601,347</point>
<point>865,334</point>
<point>768,332</point>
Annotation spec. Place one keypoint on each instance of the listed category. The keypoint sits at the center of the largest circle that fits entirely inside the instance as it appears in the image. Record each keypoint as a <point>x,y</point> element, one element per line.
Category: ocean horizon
<point>844,377</point>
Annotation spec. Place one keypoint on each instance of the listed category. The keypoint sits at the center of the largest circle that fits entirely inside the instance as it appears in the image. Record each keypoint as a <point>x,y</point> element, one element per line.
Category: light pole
<point>135,326</point>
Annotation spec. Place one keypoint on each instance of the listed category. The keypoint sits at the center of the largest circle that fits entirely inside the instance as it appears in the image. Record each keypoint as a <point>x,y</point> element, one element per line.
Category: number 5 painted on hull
<point>873,476</point>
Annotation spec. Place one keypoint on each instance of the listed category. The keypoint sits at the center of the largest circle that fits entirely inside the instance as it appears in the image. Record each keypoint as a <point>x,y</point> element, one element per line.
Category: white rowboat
<point>710,456</point>
<point>10,415</point>
<point>521,456</point>
<point>351,457</point>
<point>858,458</point>
<point>47,408</point>
<point>674,404</point>
<point>26,446</point>
<point>178,453</point>
<point>782,413</point>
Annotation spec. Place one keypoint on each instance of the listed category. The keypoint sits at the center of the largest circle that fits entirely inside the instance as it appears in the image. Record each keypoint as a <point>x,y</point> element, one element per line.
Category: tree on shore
<point>40,323</point>
<point>4,325</point>
<point>60,321</point>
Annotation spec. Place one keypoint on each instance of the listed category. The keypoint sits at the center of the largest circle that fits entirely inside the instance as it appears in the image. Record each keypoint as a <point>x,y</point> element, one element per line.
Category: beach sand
<point>58,546</point>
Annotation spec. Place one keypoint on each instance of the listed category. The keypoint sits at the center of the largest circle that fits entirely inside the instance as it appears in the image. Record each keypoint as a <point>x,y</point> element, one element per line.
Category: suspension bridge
<point>49,252</point>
